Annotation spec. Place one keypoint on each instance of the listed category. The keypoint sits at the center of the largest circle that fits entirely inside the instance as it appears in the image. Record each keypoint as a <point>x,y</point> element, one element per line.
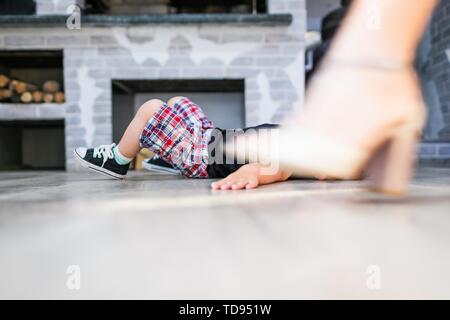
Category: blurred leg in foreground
<point>364,109</point>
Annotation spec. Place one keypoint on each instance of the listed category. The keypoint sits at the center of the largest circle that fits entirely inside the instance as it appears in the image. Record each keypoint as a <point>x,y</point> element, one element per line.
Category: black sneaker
<point>101,160</point>
<point>159,165</point>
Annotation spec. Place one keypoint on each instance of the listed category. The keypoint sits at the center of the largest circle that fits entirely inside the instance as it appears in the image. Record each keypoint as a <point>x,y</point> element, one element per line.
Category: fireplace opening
<point>223,101</point>
<point>31,76</point>
<point>175,6</point>
<point>32,145</point>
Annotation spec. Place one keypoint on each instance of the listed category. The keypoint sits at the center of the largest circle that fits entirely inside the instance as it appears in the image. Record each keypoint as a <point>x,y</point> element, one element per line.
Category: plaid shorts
<point>180,136</point>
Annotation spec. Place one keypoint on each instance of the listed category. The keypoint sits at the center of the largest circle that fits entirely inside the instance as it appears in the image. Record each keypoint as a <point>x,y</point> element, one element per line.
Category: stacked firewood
<point>12,90</point>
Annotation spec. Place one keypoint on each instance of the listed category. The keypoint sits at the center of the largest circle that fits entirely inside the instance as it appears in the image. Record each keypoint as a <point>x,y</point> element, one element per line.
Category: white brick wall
<point>269,58</point>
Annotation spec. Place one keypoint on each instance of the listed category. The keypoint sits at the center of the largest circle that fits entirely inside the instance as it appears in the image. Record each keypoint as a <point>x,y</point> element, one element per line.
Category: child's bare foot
<point>248,177</point>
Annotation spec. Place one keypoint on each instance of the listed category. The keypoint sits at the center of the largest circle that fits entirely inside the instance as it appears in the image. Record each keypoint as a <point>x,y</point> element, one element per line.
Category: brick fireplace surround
<point>267,51</point>
<point>264,50</point>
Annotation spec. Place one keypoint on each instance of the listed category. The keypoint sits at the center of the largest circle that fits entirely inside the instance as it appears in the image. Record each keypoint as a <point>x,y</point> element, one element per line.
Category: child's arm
<point>249,177</point>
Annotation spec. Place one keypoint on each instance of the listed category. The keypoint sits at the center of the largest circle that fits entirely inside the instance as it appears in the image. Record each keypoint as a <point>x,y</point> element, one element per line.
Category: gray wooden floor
<point>156,236</point>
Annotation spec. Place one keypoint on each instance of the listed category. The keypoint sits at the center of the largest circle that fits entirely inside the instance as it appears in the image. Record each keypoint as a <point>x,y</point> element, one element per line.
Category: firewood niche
<point>31,77</point>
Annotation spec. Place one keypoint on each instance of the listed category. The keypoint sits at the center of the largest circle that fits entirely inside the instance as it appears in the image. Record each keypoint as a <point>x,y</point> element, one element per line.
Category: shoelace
<point>105,152</point>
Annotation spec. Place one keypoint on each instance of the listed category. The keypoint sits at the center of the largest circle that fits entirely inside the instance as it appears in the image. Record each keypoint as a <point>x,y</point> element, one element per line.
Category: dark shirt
<point>218,167</point>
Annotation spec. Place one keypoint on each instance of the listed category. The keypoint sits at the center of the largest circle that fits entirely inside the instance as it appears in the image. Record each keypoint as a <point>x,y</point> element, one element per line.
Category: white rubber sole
<point>151,167</point>
<point>97,169</point>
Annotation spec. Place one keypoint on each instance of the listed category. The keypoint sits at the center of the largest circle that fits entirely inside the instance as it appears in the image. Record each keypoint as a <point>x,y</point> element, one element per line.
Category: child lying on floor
<point>179,132</point>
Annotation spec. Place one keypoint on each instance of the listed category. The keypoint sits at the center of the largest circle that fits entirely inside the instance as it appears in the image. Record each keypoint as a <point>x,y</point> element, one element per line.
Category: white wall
<point>270,58</point>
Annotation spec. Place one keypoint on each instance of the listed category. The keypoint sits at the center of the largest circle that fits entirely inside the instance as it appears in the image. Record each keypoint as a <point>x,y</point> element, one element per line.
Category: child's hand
<point>241,179</point>
<point>248,177</point>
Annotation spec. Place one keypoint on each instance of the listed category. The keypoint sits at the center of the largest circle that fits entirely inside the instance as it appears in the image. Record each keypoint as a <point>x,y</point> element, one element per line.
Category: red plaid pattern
<point>192,113</point>
<point>180,136</point>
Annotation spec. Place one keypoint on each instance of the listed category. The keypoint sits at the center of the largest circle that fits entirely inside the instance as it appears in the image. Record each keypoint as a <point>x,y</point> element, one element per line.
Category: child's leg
<point>129,145</point>
<point>176,133</point>
<point>114,161</point>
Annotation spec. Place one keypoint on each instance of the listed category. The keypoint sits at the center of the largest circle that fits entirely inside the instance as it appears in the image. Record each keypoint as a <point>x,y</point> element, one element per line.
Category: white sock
<point>120,158</point>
